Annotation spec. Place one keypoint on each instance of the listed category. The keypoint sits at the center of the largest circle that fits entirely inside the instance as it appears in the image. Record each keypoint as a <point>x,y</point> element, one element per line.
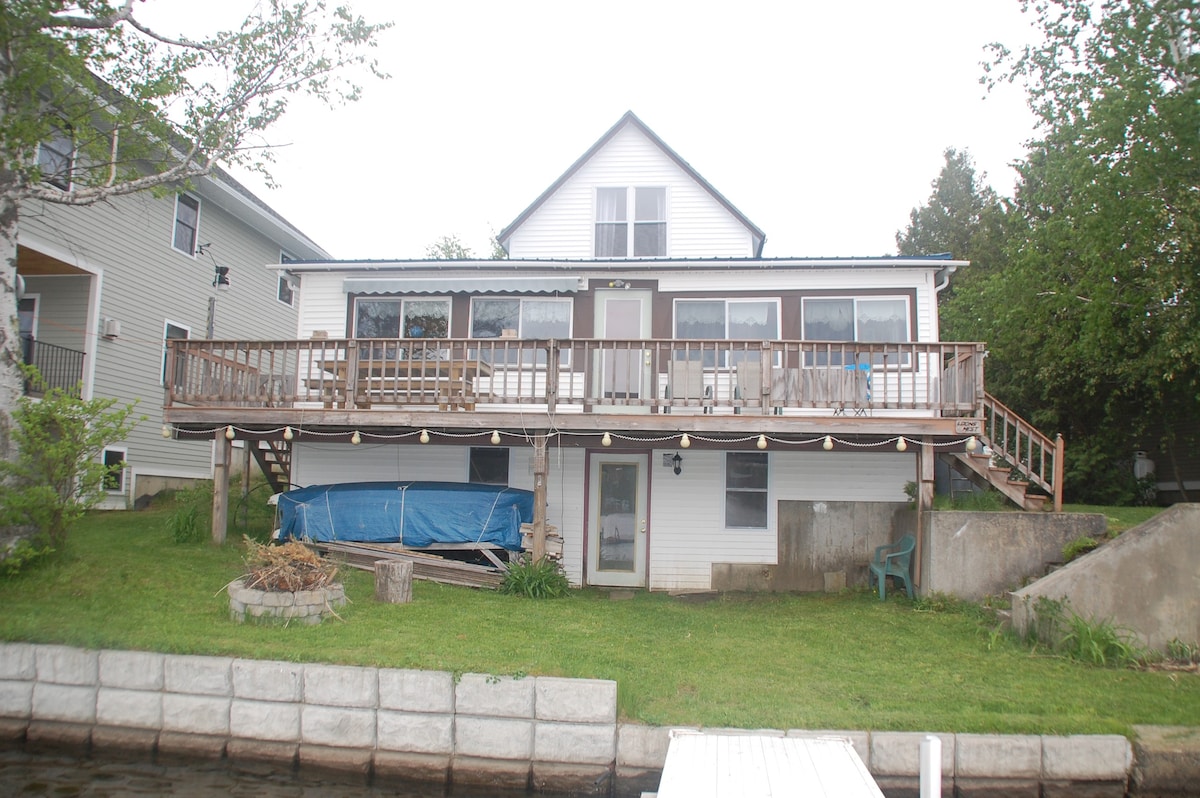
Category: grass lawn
<point>842,661</point>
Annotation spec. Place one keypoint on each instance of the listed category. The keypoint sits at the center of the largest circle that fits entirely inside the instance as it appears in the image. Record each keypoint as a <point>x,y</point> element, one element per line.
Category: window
<point>525,317</point>
<point>488,466</point>
<point>869,319</point>
<point>56,159</point>
<point>114,461</point>
<point>727,319</point>
<point>173,332</point>
<point>402,318</point>
<point>187,223</point>
<point>746,490</point>
<point>646,237</point>
<point>289,285</point>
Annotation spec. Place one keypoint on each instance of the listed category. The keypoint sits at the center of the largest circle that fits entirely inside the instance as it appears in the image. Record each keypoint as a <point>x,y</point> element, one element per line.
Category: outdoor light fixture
<point>288,434</point>
<point>606,440</point>
<point>685,441</point>
<point>221,278</point>
<point>166,431</point>
<point>356,439</point>
<point>901,445</point>
<point>618,284</point>
<point>972,445</point>
<point>762,442</point>
<point>229,433</point>
<point>424,436</point>
<point>495,436</point>
<point>677,464</point>
<point>828,444</point>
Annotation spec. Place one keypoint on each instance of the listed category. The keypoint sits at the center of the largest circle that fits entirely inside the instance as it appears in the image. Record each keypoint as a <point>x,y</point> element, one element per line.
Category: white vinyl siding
<point>564,225</point>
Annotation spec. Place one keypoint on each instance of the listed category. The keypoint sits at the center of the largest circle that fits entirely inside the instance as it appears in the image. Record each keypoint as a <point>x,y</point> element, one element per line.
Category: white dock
<point>700,765</point>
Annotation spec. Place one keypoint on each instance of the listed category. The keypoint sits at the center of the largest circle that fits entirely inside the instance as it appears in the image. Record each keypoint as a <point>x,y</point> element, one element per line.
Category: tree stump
<point>393,581</point>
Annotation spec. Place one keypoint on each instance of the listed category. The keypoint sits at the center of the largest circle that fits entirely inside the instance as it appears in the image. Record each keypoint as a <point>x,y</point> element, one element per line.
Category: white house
<point>694,416</point>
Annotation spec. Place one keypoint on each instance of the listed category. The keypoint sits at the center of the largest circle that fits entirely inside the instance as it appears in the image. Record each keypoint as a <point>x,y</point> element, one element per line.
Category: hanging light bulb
<point>288,434</point>
<point>495,436</point>
<point>972,444</point>
<point>424,436</point>
<point>229,433</point>
<point>828,444</point>
<point>166,431</point>
<point>356,439</point>
<point>901,445</point>
<point>762,442</point>
<point>685,441</point>
<point>606,440</point>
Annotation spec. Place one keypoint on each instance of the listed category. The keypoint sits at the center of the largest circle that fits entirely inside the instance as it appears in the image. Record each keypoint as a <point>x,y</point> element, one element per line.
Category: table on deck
<point>448,382</point>
<point>700,765</point>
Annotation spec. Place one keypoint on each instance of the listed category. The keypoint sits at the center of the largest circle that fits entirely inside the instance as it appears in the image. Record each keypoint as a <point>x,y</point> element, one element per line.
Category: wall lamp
<point>677,464</point>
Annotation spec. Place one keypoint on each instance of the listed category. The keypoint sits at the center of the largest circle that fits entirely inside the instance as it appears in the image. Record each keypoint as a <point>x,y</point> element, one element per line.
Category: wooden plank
<point>425,566</point>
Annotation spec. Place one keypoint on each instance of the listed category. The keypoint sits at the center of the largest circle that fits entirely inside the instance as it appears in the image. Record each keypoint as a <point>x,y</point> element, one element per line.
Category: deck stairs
<point>1013,457</point>
<point>275,460</point>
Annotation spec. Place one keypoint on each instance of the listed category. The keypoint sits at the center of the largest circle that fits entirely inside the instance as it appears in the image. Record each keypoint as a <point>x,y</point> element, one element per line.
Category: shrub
<point>189,521</point>
<point>541,579</point>
<point>1078,547</point>
<point>20,553</point>
<point>1078,638</point>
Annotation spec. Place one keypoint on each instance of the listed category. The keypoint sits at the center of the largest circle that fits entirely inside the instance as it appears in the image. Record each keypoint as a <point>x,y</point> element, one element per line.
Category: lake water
<point>23,773</point>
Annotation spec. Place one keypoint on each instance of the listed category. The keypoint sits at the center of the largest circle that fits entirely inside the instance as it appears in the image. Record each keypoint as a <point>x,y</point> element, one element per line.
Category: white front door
<point>618,519</point>
<point>623,315</point>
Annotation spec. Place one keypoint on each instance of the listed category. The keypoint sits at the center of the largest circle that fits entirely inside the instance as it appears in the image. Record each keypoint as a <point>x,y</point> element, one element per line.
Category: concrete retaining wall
<point>541,733</point>
<point>1158,562</point>
<point>972,555</point>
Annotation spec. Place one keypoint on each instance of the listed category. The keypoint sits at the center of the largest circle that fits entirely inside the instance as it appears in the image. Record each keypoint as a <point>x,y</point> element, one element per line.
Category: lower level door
<point>617,526</point>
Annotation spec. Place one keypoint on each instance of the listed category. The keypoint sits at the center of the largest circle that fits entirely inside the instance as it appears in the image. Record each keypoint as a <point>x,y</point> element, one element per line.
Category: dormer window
<point>643,236</point>
<point>56,159</point>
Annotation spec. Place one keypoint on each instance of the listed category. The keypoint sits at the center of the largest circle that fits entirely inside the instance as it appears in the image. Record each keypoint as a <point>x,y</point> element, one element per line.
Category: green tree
<point>95,104</point>
<point>57,473</point>
<point>449,248</point>
<point>1096,321</point>
<point>964,217</point>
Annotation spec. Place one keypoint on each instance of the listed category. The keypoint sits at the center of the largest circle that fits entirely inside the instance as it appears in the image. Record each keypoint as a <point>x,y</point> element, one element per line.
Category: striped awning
<point>547,284</point>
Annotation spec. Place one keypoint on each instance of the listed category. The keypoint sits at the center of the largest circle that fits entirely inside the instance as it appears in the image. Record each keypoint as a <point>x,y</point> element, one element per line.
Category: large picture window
<point>643,236</point>
<point>521,317</point>
<point>727,319</point>
<point>746,490</point>
<point>402,318</point>
<point>868,319</point>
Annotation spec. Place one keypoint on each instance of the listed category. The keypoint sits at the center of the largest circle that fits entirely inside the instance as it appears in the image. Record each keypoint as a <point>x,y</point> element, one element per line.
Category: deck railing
<point>58,366</point>
<point>581,375</point>
<point>1031,455</point>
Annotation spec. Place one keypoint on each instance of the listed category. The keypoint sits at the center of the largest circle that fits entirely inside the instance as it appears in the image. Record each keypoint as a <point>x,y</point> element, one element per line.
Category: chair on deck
<point>685,385</point>
<point>748,387</point>
<point>894,560</point>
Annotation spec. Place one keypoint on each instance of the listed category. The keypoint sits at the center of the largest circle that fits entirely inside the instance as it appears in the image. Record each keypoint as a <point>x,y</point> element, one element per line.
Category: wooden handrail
<point>1024,448</point>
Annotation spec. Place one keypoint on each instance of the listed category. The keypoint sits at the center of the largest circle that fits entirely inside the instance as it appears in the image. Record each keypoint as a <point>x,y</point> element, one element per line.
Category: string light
<point>356,439</point>
<point>901,445</point>
<point>972,445</point>
<point>288,434</point>
<point>828,444</point>
<point>495,436</point>
<point>424,436</point>
<point>762,442</point>
<point>685,441</point>
<point>229,433</point>
<point>606,440</point>
<point>166,432</point>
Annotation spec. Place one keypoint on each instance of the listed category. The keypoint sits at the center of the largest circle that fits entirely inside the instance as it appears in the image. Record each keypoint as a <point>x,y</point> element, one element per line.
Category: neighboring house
<point>105,285</point>
<point>693,416</point>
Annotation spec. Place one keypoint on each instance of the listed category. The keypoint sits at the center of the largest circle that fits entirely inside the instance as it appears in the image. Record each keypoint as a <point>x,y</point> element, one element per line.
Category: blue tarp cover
<point>413,513</point>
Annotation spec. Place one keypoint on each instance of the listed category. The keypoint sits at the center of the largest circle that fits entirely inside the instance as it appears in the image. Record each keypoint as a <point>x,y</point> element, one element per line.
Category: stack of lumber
<point>425,566</point>
<point>554,542</point>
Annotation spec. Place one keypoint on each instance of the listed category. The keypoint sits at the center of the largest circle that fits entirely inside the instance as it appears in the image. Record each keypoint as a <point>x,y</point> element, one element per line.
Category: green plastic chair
<point>894,560</point>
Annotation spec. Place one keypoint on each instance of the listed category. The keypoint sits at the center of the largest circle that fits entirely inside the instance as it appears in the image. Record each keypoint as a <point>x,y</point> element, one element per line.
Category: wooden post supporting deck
<point>539,497</point>
<point>925,490</point>
<point>223,455</point>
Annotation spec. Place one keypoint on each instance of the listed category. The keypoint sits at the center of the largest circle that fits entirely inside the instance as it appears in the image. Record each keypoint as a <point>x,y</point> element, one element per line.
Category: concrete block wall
<point>548,734</point>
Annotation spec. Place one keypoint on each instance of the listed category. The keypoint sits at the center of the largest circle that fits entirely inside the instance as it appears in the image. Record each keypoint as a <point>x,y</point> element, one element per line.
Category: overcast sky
<point>823,122</point>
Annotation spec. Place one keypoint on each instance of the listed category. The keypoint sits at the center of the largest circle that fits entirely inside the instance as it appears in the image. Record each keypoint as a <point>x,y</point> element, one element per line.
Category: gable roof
<point>631,119</point>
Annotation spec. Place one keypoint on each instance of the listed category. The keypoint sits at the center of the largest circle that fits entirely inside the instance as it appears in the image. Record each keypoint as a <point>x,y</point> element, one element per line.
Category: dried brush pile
<point>287,568</point>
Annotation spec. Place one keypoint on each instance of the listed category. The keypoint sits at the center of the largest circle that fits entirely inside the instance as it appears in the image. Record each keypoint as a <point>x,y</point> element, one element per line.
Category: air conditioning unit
<point>111,328</point>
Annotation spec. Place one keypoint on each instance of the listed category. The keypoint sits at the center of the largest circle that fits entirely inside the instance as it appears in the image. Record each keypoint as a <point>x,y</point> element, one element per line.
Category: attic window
<point>645,235</point>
